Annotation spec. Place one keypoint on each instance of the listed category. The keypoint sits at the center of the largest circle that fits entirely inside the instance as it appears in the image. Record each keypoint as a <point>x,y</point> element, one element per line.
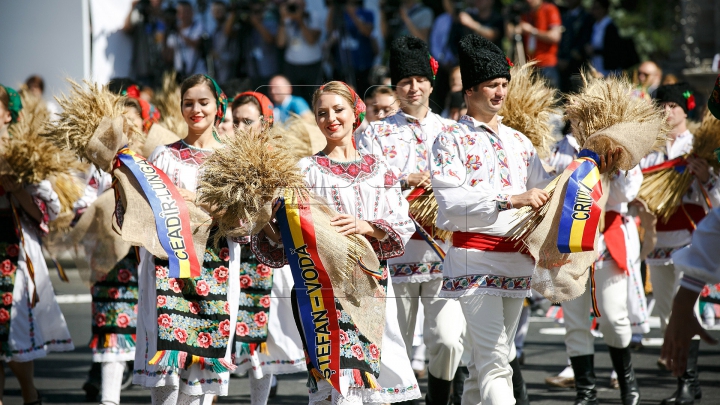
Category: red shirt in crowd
<point>544,18</point>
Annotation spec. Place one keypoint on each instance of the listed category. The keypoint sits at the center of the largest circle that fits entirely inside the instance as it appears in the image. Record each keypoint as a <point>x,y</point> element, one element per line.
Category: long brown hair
<point>196,80</point>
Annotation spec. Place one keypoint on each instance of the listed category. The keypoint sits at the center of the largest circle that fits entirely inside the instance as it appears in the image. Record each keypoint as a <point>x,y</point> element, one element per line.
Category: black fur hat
<point>410,56</point>
<point>480,61</point>
<point>679,93</point>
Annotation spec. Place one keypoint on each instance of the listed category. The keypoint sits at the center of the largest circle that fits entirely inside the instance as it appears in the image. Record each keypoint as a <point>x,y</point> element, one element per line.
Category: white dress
<point>182,163</point>
<point>367,189</point>
<point>34,331</point>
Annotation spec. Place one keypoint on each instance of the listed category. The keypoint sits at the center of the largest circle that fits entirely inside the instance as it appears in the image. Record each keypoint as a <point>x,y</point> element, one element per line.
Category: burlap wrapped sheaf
<point>138,222</point>
<point>157,136</point>
<point>359,293</point>
<point>563,276</point>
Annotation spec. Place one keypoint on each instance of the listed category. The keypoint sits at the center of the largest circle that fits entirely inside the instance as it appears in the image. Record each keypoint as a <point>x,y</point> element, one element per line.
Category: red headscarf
<point>266,106</point>
<point>358,106</point>
<point>149,113</point>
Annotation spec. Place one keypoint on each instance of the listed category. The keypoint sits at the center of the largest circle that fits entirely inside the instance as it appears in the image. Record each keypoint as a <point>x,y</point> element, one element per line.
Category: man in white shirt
<point>482,172</point>
<point>405,139</point>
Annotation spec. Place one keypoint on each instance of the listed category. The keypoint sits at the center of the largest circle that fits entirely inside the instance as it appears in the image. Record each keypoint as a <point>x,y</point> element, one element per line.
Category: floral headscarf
<point>358,106</point>
<point>266,106</point>
<point>222,101</point>
<point>150,115</point>
<point>15,104</point>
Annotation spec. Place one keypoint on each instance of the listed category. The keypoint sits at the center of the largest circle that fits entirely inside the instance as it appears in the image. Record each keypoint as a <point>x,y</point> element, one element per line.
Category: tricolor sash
<point>172,218</point>
<point>314,291</point>
<point>581,212</point>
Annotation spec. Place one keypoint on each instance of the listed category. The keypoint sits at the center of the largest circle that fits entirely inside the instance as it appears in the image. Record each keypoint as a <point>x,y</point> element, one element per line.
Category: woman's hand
<point>607,163</point>
<point>421,179</point>
<point>187,195</point>
<point>351,225</point>
<point>700,168</point>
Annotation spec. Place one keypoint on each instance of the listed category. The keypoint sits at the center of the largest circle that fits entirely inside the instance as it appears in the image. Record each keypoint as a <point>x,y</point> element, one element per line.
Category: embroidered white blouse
<point>405,143</point>
<point>474,173</point>
<point>670,241</point>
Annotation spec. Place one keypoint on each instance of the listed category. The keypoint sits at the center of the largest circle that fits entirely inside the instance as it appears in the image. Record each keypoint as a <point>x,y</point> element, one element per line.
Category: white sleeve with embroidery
<point>45,192</point>
<point>460,205</point>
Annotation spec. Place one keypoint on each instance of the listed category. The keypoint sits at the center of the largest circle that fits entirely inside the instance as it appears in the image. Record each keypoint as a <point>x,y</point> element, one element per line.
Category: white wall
<point>111,48</point>
<point>46,37</point>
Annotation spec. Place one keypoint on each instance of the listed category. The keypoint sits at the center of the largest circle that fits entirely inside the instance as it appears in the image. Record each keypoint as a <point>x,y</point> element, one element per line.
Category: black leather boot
<point>461,375</point>
<point>584,369</point>
<point>438,392</point>
<point>519,388</point>
<point>622,363</point>
<point>688,385</point>
<point>93,383</point>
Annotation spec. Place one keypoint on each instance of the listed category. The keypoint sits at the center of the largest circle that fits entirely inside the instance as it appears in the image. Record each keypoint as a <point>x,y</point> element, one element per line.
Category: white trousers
<point>665,283</point>
<point>491,324</point>
<point>443,329</point>
<point>112,375</point>
<point>611,293</point>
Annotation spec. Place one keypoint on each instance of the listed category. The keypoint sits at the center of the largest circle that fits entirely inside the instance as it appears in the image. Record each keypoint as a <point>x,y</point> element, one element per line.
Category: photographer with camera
<point>145,25</point>
<point>186,42</point>
<point>349,28</point>
<point>541,30</point>
<point>222,41</point>
<point>299,34</point>
<point>258,27</point>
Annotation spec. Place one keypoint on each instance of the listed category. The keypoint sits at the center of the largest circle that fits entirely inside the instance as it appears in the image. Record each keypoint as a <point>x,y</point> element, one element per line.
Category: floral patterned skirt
<point>114,311</point>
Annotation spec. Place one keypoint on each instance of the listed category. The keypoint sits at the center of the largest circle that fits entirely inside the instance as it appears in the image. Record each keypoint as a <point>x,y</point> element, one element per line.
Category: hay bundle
<point>242,179</point>
<point>528,107</point>
<point>424,210</point>
<point>168,101</point>
<point>604,118</point>
<point>301,137</point>
<point>663,190</point>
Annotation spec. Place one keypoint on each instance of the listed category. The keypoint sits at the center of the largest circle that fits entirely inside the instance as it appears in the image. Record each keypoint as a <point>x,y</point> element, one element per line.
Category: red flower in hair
<point>434,65</point>
<point>690,99</point>
<point>510,64</point>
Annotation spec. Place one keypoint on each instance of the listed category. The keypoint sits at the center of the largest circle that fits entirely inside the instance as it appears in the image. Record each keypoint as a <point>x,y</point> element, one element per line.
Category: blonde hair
<point>334,87</point>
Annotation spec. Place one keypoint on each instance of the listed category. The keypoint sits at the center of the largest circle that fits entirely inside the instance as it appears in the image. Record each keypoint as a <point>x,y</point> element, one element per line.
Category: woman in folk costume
<point>363,189</point>
<point>31,324</point>
<point>192,319</point>
<point>115,293</point>
<point>267,341</point>
<point>676,232</point>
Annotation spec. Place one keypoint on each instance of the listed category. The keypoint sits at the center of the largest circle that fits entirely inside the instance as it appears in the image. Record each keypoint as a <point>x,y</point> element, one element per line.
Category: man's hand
<point>421,179</point>
<point>607,163</point>
<point>700,168</point>
<point>534,198</point>
<point>682,327</point>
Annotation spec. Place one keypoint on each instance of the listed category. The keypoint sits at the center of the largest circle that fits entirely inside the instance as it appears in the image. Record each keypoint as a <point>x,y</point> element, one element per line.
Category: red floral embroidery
<point>260,319</point>
<point>344,338</point>
<point>114,293</point>
<point>225,328</point>
<point>374,351</point>
<point>202,288</point>
<point>357,351</point>
<point>263,270</point>
<point>100,319</point>
<point>175,285</point>
<point>12,250</point>
<point>226,307</point>
<point>124,275</point>
<point>123,320</point>
<point>350,171</point>
<point>224,254</point>
<point>165,321</point>
<point>204,340</point>
<point>7,267</point>
<point>221,274</point>
<point>180,335</point>
<point>160,272</point>
<point>242,329</point>
<point>245,281</point>
<point>161,300</point>
<point>7,298</point>
<point>194,307</point>
<point>4,315</point>
<point>265,301</point>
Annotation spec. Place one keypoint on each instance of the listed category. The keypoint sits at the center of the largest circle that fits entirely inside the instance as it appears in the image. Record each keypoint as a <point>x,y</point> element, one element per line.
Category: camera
<point>514,11</point>
<point>292,8</point>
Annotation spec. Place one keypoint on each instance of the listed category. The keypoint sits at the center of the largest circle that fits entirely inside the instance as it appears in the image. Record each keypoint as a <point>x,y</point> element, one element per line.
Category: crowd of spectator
<point>285,48</point>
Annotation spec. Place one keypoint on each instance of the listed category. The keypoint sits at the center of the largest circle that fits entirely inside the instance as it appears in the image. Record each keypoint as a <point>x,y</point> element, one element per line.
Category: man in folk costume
<point>482,172</point>
<point>405,140</point>
<point>676,233</point>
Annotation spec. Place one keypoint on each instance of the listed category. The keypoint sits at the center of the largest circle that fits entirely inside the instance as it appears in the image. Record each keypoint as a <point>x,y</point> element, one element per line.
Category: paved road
<point>60,376</point>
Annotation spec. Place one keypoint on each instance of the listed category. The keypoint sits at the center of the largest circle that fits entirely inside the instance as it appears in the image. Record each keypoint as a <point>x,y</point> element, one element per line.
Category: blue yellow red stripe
<point>580,213</point>
<point>172,218</point>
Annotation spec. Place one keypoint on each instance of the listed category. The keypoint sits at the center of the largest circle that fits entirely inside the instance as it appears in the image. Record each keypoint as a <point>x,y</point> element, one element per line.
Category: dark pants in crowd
<point>552,75</point>
<point>305,79</point>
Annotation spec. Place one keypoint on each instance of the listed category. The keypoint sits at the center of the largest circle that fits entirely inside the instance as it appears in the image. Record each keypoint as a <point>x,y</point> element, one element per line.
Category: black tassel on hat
<point>679,93</point>
<point>480,61</point>
<point>409,56</point>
